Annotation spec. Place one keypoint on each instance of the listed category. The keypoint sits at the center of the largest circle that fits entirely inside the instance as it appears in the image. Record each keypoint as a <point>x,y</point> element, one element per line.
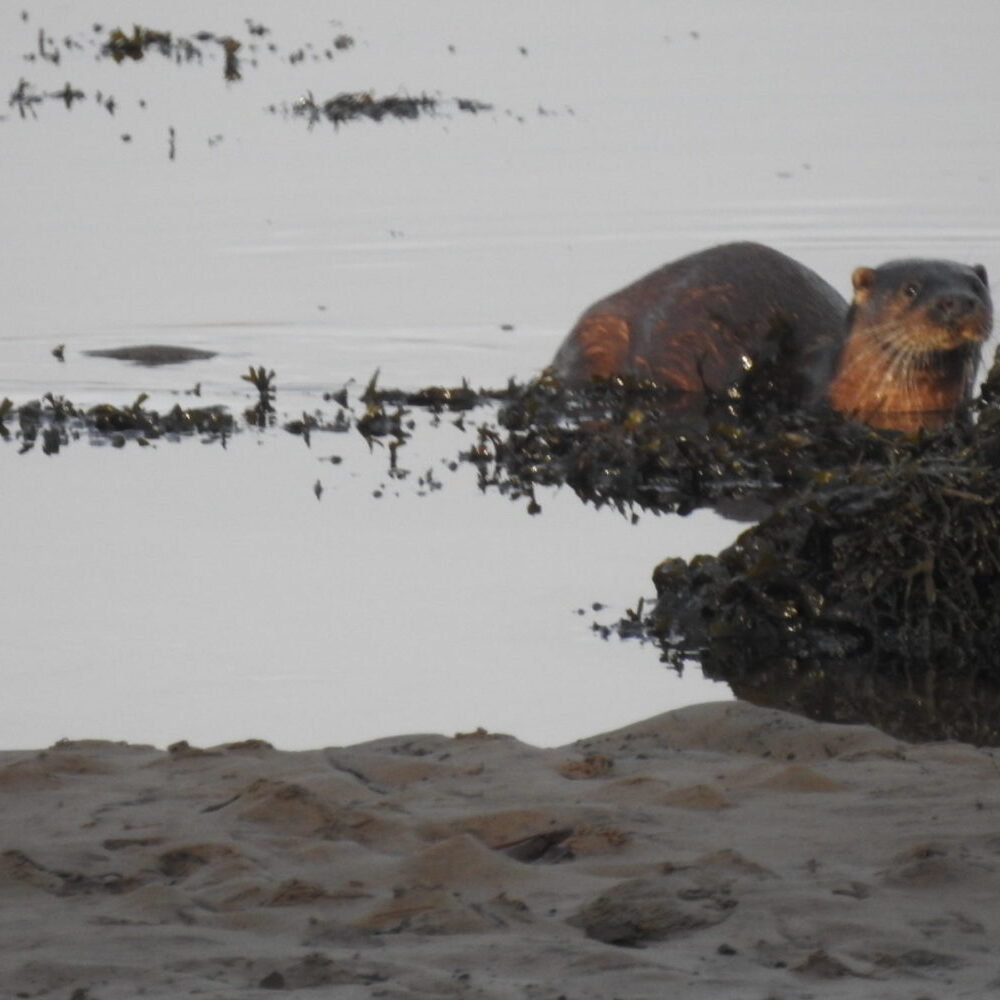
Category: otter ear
<point>862,279</point>
<point>981,273</point>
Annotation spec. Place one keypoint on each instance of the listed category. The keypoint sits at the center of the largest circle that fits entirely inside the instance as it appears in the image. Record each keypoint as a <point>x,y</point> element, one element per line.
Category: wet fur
<point>903,366</point>
<point>697,324</point>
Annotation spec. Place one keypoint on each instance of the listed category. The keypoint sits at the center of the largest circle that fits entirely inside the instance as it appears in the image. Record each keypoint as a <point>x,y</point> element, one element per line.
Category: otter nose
<point>957,306</point>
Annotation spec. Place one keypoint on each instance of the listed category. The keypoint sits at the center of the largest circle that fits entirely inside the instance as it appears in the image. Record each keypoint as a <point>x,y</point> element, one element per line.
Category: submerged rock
<point>153,354</point>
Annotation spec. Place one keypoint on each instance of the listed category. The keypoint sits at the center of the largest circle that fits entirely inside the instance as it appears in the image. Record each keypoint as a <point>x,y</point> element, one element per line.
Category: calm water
<point>194,592</point>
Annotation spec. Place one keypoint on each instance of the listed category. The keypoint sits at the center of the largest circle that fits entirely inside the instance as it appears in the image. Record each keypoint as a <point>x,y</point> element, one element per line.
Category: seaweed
<point>871,598</point>
<point>25,99</point>
<point>630,444</point>
<point>231,62</point>
<point>133,45</point>
<point>261,414</point>
<point>121,46</point>
<point>58,421</point>
<point>349,106</point>
<point>383,421</point>
<point>353,105</point>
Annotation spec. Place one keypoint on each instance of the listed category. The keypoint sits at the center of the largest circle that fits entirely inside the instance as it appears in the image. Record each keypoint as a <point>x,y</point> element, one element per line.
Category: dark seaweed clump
<point>347,107</point>
<point>56,421</point>
<point>637,446</point>
<point>238,57</point>
<point>871,599</point>
<point>380,416</point>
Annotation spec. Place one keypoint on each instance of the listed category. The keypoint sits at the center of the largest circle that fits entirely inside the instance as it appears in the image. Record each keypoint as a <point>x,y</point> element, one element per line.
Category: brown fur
<point>698,324</point>
<point>916,330</point>
<point>903,356</point>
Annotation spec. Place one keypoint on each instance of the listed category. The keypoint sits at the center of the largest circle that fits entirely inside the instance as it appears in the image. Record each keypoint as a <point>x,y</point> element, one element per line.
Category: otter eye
<point>912,290</point>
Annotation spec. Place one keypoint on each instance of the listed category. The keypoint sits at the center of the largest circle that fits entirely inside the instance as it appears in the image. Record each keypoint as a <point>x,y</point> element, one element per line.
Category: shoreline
<point>722,848</point>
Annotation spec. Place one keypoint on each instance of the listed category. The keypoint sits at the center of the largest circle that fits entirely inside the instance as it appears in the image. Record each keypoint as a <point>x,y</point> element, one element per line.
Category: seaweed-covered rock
<point>632,444</point>
<point>872,598</point>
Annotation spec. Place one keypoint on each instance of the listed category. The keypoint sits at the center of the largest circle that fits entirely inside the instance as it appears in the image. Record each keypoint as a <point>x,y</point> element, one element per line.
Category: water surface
<point>188,591</point>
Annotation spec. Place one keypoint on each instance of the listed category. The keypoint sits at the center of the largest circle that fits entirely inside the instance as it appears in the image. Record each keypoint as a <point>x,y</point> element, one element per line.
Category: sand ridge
<point>719,850</point>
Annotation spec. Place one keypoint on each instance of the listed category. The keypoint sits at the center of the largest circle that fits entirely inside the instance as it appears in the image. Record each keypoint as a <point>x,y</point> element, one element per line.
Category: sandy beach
<point>715,851</point>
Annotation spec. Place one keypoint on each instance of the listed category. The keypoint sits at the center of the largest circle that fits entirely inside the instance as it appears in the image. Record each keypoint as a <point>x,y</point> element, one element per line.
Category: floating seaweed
<point>121,46</point>
<point>436,398</point>
<point>347,107</point>
<point>24,98</point>
<point>57,421</point>
<point>68,95</point>
<point>262,414</point>
<point>472,106</point>
<point>377,422</point>
<point>48,50</point>
<point>384,419</point>
<point>350,106</point>
<point>6,408</point>
<point>133,45</point>
<point>231,64</point>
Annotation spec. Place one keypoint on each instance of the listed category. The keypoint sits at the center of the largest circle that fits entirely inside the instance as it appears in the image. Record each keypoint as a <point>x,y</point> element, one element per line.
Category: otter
<point>902,355</point>
<point>915,335</point>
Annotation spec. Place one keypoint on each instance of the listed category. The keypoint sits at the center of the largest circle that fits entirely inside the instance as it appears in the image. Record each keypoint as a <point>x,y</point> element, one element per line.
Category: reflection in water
<point>210,591</point>
<point>917,703</point>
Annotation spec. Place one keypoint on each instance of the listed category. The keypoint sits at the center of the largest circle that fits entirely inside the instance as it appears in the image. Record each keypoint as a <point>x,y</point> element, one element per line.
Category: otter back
<point>699,323</point>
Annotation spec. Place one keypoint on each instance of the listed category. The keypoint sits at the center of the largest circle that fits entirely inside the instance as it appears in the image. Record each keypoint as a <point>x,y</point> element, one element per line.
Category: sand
<point>721,850</point>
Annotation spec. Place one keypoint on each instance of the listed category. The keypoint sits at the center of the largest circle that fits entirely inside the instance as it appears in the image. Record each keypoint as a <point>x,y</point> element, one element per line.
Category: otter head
<point>937,305</point>
<point>915,331</point>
